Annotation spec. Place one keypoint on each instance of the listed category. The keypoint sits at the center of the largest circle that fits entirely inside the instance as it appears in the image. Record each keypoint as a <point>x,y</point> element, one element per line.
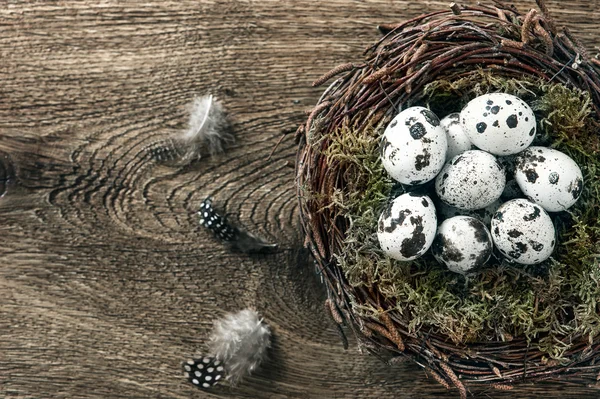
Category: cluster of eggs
<point>469,154</point>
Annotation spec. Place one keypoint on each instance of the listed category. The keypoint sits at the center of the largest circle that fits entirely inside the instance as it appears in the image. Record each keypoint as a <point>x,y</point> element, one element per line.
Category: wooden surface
<point>107,281</point>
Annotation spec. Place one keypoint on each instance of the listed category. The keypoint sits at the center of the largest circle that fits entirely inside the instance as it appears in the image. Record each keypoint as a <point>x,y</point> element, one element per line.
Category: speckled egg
<point>499,123</point>
<point>471,180</point>
<point>549,177</point>
<point>458,141</point>
<point>523,232</point>
<point>463,244</point>
<point>407,226</point>
<point>446,211</point>
<point>414,146</point>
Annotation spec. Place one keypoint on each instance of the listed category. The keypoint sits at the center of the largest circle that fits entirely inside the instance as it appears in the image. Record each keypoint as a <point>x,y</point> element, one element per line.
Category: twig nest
<point>508,320</point>
<point>471,180</point>
<point>407,226</point>
<point>499,123</point>
<point>414,145</point>
<point>549,177</point>
<point>463,244</point>
<point>523,232</point>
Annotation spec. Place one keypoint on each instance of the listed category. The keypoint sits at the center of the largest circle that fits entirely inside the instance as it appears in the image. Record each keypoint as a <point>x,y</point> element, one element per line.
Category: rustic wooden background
<point>107,282</point>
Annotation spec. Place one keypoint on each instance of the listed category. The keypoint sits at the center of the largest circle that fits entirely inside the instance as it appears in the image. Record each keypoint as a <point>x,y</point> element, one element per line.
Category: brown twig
<point>578,44</point>
<point>377,75</point>
<point>335,71</point>
<point>513,44</point>
<point>452,376</point>
<point>455,8</point>
<point>527,24</point>
<point>438,378</point>
<point>547,17</point>
<point>387,28</point>
<point>389,324</point>
<point>420,51</point>
<point>275,147</point>
<point>335,315</point>
<point>316,110</point>
<point>502,387</point>
<point>545,38</point>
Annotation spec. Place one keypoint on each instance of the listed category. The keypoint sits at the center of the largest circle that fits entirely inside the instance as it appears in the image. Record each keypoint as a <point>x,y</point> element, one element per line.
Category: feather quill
<point>240,340</point>
<point>208,133</point>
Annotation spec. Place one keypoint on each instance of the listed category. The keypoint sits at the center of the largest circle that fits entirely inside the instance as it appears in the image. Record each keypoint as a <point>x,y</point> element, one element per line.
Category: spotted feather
<point>237,238</point>
<point>204,373</point>
<point>216,223</point>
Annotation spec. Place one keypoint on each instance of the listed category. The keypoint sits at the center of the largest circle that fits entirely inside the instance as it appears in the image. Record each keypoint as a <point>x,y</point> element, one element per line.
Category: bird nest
<point>509,322</point>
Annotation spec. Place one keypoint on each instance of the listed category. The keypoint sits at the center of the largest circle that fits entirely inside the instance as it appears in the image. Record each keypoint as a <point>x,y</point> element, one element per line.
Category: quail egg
<point>523,231</point>
<point>407,226</point>
<point>458,142</point>
<point>463,244</point>
<point>499,123</point>
<point>414,146</point>
<point>549,177</point>
<point>471,180</point>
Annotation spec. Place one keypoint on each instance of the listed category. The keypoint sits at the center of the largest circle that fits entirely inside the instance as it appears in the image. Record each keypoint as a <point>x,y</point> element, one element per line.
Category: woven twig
<point>335,71</point>
<point>396,337</point>
<point>439,379</point>
<point>335,314</point>
<point>502,387</point>
<point>379,74</point>
<point>455,380</point>
<point>547,17</point>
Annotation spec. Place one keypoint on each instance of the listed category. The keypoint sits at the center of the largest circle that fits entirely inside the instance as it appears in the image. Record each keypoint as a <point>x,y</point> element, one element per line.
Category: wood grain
<point>107,282</point>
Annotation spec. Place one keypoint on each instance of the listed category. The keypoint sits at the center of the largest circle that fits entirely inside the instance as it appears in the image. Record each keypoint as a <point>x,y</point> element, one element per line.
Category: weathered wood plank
<point>107,281</point>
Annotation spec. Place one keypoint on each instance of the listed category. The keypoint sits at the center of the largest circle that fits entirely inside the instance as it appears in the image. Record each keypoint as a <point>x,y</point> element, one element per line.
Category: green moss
<point>549,304</point>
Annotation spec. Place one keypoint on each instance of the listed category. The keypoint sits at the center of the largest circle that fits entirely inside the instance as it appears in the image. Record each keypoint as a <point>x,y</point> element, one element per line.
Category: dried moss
<point>549,304</point>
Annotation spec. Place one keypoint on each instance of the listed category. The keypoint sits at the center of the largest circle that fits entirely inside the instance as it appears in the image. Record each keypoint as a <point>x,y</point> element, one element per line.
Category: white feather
<point>240,340</point>
<point>208,133</point>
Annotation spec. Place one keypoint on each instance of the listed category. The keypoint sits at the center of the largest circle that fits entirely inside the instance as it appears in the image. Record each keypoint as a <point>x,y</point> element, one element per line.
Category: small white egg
<point>471,180</point>
<point>484,214</point>
<point>549,177</point>
<point>523,232</point>
<point>499,123</point>
<point>463,244</point>
<point>414,146</point>
<point>407,226</point>
<point>458,141</point>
